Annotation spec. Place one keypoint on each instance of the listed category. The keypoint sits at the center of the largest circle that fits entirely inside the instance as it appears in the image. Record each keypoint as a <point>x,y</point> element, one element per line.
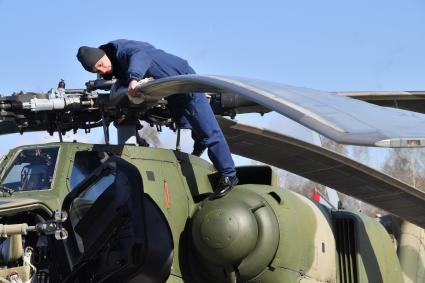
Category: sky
<point>327,45</point>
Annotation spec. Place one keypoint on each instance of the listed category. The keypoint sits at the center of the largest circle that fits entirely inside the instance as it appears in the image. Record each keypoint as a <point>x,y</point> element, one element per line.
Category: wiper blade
<point>6,192</point>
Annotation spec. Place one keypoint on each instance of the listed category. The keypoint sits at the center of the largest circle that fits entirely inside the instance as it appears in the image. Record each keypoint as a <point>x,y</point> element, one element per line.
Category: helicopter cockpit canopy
<point>31,169</point>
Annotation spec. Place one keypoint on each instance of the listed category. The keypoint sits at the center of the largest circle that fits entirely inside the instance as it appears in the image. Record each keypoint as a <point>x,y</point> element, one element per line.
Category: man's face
<point>103,66</point>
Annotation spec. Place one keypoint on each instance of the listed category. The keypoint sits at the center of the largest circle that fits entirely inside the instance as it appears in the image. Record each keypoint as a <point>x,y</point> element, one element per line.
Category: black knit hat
<point>88,56</point>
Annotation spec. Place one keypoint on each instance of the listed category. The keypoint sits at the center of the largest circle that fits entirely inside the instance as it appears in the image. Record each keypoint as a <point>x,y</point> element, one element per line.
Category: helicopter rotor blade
<point>341,119</point>
<point>326,167</point>
<point>344,120</point>
<point>407,100</point>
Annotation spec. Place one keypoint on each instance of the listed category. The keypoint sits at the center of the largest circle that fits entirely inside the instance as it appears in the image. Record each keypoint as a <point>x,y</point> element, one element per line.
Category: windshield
<point>32,169</point>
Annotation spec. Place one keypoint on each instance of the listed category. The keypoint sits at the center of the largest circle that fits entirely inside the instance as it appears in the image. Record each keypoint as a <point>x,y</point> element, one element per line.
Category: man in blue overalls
<point>130,61</point>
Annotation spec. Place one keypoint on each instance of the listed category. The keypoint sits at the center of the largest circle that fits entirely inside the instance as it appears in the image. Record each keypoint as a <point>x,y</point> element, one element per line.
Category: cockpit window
<point>82,203</point>
<point>32,169</point>
<point>96,189</point>
<point>85,162</point>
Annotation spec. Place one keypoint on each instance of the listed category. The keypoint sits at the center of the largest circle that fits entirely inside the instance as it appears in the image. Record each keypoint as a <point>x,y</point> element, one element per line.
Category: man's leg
<point>176,105</point>
<point>205,126</point>
<point>199,145</point>
<point>206,131</point>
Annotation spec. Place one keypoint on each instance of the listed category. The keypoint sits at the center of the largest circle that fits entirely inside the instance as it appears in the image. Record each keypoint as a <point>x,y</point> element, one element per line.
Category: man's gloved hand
<point>132,88</point>
<point>135,97</point>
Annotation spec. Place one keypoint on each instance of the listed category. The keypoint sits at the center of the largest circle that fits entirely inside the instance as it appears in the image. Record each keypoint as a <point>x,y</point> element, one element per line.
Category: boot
<point>224,186</point>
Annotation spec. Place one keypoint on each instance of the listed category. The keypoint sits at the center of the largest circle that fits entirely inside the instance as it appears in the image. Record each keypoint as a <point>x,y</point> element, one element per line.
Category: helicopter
<point>74,212</point>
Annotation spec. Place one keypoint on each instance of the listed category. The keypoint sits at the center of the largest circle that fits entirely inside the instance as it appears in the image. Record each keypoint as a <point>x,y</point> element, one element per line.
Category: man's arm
<point>138,64</point>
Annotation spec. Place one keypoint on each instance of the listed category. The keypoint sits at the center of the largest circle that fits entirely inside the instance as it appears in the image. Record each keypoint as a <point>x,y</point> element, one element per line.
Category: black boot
<point>224,186</point>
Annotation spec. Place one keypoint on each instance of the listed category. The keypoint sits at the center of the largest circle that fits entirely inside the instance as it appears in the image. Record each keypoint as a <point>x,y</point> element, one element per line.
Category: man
<point>131,61</point>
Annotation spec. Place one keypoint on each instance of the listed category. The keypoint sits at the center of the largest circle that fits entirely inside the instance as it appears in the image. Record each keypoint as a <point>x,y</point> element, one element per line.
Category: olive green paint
<point>376,257</point>
<point>411,252</point>
<point>257,233</point>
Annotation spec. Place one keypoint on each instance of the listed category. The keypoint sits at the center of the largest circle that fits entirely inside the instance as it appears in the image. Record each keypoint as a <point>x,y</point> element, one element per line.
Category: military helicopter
<point>75,212</point>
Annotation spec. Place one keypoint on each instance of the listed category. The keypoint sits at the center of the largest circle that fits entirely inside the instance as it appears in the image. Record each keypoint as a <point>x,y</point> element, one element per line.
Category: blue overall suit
<point>135,60</point>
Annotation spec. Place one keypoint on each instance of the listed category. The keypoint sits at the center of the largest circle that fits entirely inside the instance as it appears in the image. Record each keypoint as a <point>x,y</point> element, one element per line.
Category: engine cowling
<point>261,233</point>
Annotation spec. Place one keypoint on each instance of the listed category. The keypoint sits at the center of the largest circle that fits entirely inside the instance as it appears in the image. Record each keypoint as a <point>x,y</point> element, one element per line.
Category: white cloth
<point>140,98</point>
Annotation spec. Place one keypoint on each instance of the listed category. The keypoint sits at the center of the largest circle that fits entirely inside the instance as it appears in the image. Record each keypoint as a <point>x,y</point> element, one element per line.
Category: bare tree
<point>361,154</point>
<point>333,146</point>
<point>407,165</point>
<point>295,183</point>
